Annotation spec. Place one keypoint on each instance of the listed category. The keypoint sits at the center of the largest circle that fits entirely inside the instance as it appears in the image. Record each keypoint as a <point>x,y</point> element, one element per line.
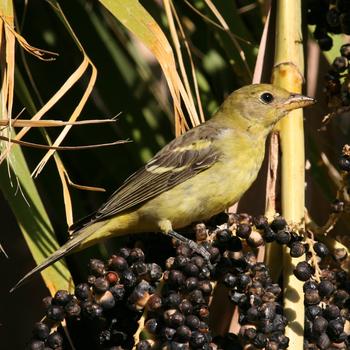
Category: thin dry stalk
<point>193,68</point>
<point>222,21</point>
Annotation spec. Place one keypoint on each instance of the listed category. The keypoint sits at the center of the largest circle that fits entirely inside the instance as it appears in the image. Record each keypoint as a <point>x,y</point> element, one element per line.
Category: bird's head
<point>261,105</point>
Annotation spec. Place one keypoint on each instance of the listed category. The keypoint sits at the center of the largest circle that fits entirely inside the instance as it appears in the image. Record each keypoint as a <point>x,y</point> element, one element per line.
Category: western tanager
<point>194,177</point>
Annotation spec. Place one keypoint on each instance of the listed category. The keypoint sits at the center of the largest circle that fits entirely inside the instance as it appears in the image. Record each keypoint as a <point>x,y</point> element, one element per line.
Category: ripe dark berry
<point>279,223</point>
<point>312,311</point>
<point>172,300</point>
<point>106,300</point>
<point>136,255</point>
<point>124,252</point>
<point>198,340</point>
<point>260,341</point>
<point>252,314</point>
<point>344,163</point>
<point>335,328</point>
<point>55,340</point>
<point>326,288</point>
<point>118,263</point>
<point>244,281</point>
<point>152,325</point>
<point>323,341</point>
<point>249,333</point>
<point>193,322</point>
<point>331,312</point>
<point>128,278</point>
<point>312,297</point>
<point>154,272</point>
<point>269,235</point>
<point>139,269</point>
<point>260,222</point>
<point>243,230</point>
<point>168,333</point>
<point>320,325</point>
<point>186,307</point>
<point>281,340</point>
<point>283,237</point>
<point>36,345</point>
<point>184,250</point>
<point>310,285</point>
<point>154,303</point>
<point>176,278</point>
<point>321,249</point>
<point>101,285</point>
<point>345,51</point>
<point>183,334</point>
<point>191,283</point>
<point>204,273</point>
<point>41,331</point>
<point>91,310</point>
<point>82,291</point>
<point>143,345</point>
<point>325,43</point>
<point>118,291</point>
<point>196,297</point>
<point>173,318</point>
<point>340,297</point>
<point>255,239</point>
<point>62,297</point>
<point>303,271</point>
<point>97,267</point>
<point>297,249</point>
<point>72,308</point>
<point>205,287</point>
<point>202,312</point>
<point>55,313</point>
<point>223,236</point>
<point>191,269</point>
<point>214,254</point>
<point>340,64</point>
<point>91,280</point>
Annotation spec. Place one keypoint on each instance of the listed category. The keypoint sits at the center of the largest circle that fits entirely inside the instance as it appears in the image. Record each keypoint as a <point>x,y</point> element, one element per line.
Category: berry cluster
<point>178,317</point>
<point>127,303</point>
<point>250,285</point>
<point>326,298</point>
<point>105,309</point>
<point>329,16</point>
<point>338,80</point>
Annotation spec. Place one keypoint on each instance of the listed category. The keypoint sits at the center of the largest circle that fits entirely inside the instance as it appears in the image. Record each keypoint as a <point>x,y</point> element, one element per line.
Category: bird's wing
<point>181,159</point>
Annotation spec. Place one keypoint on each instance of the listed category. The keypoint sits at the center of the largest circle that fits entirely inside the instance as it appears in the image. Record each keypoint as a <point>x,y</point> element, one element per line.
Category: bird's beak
<point>298,101</point>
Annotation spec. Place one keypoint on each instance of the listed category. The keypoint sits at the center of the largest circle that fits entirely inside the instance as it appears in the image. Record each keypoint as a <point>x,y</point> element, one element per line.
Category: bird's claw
<point>193,245</point>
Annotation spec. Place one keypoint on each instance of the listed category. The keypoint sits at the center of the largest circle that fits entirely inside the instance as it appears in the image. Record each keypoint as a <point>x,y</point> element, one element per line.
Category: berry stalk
<point>288,73</point>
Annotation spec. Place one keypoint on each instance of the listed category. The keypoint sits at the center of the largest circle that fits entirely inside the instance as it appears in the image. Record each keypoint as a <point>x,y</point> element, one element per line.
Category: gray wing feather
<point>146,183</point>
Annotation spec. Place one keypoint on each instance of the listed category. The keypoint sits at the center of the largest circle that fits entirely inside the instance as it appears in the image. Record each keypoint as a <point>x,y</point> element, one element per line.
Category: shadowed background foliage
<point>129,82</point>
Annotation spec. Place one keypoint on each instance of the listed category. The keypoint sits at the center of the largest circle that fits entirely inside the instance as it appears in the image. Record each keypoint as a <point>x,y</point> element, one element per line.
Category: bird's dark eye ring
<point>266,97</point>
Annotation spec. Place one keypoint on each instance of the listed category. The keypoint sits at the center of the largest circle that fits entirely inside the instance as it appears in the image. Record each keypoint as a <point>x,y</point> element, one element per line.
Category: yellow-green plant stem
<point>288,73</point>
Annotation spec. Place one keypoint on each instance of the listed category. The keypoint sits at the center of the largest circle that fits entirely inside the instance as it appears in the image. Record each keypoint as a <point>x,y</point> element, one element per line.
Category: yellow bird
<point>194,177</point>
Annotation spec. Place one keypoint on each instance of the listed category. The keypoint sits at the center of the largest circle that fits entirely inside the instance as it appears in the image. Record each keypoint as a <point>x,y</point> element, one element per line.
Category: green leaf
<point>24,200</point>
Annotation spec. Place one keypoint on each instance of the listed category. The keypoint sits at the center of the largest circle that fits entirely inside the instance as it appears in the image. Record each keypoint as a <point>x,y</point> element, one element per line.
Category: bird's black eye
<point>266,97</point>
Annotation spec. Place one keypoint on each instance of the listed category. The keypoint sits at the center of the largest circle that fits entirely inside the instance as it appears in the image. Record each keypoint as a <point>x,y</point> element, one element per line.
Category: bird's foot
<point>193,245</point>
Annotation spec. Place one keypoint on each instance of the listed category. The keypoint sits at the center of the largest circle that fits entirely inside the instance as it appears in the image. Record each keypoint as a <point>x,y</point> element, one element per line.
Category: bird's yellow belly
<point>199,199</point>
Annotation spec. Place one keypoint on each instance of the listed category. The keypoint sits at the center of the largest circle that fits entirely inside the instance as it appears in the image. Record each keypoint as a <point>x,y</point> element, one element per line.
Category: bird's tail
<point>76,240</point>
